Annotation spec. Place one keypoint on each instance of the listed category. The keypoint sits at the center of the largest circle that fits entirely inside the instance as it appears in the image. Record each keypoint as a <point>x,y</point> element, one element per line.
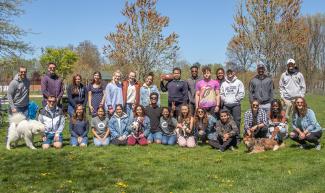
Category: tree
<point>238,54</point>
<point>89,59</point>
<point>139,43</point>
<point>269,29</point>
<point>64,58</point>
<point>10,34</point>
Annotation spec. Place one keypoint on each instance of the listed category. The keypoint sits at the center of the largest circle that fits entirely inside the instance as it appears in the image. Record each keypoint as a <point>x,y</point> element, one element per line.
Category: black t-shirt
<point>154,116</point>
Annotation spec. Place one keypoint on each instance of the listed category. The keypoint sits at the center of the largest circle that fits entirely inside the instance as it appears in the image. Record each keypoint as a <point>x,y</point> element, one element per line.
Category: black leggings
<point>313,137</point>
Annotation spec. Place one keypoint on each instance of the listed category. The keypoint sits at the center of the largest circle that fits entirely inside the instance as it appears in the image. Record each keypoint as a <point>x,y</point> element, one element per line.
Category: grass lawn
<point>159,168</point>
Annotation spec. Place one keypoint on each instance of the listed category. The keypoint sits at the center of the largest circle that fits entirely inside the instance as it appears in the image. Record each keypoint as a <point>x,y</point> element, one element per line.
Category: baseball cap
<point>291,61</point>
<point>260,65</point>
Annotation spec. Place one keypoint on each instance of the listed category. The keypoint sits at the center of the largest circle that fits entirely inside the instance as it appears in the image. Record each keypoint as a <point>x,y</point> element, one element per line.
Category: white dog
<point>21,128</point>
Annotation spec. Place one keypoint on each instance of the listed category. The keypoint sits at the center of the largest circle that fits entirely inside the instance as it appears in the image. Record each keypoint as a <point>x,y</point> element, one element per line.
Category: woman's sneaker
<point>318,147</point>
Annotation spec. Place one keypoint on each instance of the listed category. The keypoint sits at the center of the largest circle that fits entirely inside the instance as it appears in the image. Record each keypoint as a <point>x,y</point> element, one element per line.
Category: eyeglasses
<point>51,101</point>
<point>23,72</point>
<point>200,112</point>
<point>153,98</point>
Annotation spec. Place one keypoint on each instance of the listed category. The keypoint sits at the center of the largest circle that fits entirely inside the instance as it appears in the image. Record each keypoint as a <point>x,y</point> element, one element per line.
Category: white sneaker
<point>303,146</point>
<point>318,147</point>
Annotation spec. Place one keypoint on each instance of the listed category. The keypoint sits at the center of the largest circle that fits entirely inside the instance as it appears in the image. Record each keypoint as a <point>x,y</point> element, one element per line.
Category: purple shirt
<point>207,93</point>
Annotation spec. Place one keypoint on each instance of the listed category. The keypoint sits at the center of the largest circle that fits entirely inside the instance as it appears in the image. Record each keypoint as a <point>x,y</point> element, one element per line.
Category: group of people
<point>127,112</point>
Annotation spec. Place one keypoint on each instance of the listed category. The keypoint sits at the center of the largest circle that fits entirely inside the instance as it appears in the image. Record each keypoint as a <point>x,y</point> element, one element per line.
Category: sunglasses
<point>50,101</point>
<point>153,98</point>
<point>200,111</point>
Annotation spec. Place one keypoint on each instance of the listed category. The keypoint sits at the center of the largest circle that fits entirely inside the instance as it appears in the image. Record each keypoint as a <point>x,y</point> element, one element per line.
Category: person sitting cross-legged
<point>226,132</point>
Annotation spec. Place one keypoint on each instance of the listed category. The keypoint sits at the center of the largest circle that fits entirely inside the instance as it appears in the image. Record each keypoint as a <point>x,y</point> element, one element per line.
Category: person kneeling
<point>53,119</point>
<point>99,127</point>
<point>140,124</point>
<point>79,127</point>
<point>184,129</point>
<point>226,132</point>
<point>118,124</point>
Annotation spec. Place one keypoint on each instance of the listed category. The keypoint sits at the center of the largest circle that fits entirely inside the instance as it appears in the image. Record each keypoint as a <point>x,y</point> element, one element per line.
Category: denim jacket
<point>308,122</point>
<point>145,92</point>
<point>118,126</point>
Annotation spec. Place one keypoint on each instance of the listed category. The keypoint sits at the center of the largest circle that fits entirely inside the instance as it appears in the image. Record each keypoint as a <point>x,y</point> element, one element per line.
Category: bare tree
<point>139,43</point>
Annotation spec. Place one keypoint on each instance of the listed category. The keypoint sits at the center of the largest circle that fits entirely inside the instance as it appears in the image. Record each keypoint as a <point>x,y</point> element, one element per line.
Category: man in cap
<point>261,88</point>
<point>292,85</point>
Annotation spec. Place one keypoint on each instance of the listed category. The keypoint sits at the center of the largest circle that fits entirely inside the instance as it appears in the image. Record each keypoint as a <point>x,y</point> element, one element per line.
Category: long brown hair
<point>100,77</point>
<point>135,111</point>
<point>277,115</point>
<point>205,120</point>
<point>304,109</point>
<point>75,117</point>
<point>189,114</point>
<point>75,89</point>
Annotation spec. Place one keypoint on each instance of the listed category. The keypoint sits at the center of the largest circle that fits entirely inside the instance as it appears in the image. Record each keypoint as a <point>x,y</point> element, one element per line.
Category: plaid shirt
<point>261,118</point>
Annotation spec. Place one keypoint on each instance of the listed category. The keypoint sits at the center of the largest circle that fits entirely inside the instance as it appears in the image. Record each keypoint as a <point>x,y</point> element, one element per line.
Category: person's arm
<point>86,129</point>
<point>10,95</point>
<point>44,85</point>
<point>163,87</point>
<point>302,85</point>
<point>191,124</point>
<point>217,108</point>
<point>241,92</point>
<point>272,89</point>
<point>281,86</point>
<point>61,91</point>
<point>94,132</point>
<point>71,128</point>
<point>222,93</point>
<point>85,93</point>
<point>102,102</point>
<point>251,92</point>
<point>62,122</point>
<point>107,133</point>
<point>235,129</point>
<point>114,133</point>
<point>313,121</point>
<point>108,100</point>
<point>69,93</point>
<point>197,98</point>
<point>89,101</point>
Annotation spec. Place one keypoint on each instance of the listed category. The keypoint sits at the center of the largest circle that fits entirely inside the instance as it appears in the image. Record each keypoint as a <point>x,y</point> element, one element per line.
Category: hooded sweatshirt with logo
<point>292,85</point>
<point>232,91</point>
<point>18,92</point>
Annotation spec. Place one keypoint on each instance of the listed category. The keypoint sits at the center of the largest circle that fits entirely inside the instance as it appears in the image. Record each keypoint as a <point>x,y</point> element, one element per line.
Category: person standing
<point>261,88</point>
<point>146,89</point>
<point>131,93</point>
<point>191,87</point>
<point>154,112</point>
<point>77,94</point>
<point>292,85</point>
<point>232,92</point>
<point>207,93</point>
<point>177,91</point>
<point>18,93</point>
<point>113,92</point>
<point>52,85</point>
<point>96,94</point>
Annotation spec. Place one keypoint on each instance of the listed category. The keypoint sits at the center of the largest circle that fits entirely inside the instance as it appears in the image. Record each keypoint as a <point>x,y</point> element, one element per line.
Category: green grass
<point>159,168</point>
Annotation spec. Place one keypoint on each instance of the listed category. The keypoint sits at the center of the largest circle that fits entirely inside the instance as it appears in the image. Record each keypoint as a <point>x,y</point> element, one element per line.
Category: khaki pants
<point>288,104</point>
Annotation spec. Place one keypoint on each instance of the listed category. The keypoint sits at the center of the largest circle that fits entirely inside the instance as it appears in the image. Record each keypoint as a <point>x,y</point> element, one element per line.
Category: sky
<point>204,27</point>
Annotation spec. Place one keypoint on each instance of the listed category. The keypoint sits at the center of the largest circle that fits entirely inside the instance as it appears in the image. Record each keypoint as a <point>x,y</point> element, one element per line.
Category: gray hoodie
<point>18,92</point>
<point>292,85</point>
<point>261,88</point>
<point>232,92</point>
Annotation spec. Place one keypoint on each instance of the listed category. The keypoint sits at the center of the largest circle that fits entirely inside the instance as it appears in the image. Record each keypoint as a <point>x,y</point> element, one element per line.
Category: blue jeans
<point>74,141</point>
<point>98,142</point>
<point>154,136</point>
<point>168,140</point>
<point>50,138</point>
<point>70,110</point>
<point>128,109</point>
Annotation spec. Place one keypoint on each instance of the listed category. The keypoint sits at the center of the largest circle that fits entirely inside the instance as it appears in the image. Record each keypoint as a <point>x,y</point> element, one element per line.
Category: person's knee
<point>158,141</point>
<point>45,146</point>
<point>57,145</point>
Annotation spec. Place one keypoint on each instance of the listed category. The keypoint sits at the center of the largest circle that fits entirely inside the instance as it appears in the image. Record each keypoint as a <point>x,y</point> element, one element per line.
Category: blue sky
<point>204,26</point>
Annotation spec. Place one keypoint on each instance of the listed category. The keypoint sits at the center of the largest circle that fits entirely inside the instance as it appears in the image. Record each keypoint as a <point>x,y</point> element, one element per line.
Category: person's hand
<point>216,109</point>
<point>56,137</point>
<point>187,130</point>
<point>14,110</point>
<point>141,135</point>
<point>44,138</point>
<point>91,108</point>
<point>79,140</point>
<point>225,137</point>
<point>302,135</point>
<point>101,104</point>
<point>123,137</point>
<point>179,125</point>
<point>173,106</point>
<point>103,140</point>
<point>253,128</point>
